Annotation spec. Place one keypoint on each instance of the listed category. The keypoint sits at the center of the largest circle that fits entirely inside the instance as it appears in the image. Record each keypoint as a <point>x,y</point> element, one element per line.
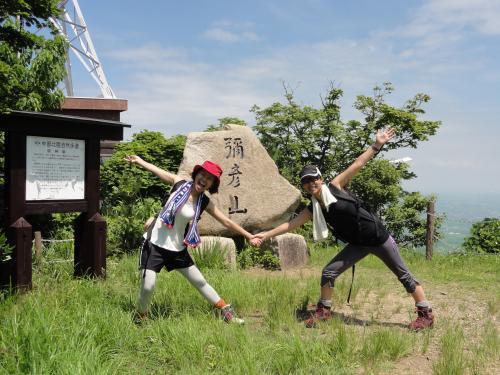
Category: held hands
<point>255,241</point>
<point>258,239</point>
<point>383,136</point>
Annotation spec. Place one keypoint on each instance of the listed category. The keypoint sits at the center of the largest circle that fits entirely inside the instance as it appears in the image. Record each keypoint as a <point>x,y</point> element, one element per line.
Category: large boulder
<point>252,192</point>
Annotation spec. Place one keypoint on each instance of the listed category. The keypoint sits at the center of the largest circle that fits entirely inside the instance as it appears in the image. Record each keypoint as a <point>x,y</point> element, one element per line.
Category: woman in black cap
<point>353,223</point>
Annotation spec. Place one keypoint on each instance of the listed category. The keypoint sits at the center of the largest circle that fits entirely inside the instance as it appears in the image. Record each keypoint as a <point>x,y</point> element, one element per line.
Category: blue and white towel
<point>174,204</point>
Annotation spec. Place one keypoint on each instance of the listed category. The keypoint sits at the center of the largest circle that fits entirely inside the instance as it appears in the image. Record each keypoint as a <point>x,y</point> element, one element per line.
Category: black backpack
<point>353,221</point>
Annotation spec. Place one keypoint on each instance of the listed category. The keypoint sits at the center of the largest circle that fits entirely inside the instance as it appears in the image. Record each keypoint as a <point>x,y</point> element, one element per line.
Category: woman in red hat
<point>176,228</point>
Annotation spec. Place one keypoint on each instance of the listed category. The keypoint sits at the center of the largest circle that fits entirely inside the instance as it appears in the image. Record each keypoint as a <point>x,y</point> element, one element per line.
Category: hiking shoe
<point>322,313</point>
<point>229,316</point>
<point>140,318</point>
<point>425,319</point>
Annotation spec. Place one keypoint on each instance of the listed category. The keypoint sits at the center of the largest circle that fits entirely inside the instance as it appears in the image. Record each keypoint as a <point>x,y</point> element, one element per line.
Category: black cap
<point>309,171</point>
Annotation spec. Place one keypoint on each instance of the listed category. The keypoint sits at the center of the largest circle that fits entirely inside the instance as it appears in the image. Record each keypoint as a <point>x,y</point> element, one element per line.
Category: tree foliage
<point>485,237</point>
<point>225,121</point>
<point>296,135</point>
<point>132,194</point>
<point>120,180</point>
<point>32,13</point>
<point>31,65</point>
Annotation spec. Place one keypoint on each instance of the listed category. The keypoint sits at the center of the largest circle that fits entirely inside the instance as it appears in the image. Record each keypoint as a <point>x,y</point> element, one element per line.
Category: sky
<point>183,65</point>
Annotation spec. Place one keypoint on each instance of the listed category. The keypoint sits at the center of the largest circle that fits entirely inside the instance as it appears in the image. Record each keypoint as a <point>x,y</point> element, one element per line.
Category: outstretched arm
<point>381,138</point>
<point>228,223</point>
<point>304,216</point>
<point>164,175</point>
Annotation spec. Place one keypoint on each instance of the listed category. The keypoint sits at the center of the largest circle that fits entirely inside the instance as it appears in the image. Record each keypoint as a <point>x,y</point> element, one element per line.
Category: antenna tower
<point>72,26</point>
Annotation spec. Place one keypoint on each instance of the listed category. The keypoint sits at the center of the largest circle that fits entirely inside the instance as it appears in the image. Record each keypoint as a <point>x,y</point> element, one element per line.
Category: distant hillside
<point>462,210</point>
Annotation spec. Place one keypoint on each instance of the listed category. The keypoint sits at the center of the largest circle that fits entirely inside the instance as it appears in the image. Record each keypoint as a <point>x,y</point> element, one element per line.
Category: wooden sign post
<point>52,164</point>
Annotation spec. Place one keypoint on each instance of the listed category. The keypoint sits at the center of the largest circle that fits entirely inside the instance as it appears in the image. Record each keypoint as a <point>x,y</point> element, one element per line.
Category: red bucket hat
<point>212,168</point>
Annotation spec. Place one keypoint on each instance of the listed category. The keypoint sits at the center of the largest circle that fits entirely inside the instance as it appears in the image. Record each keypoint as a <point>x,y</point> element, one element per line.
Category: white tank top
<point>172,238</point>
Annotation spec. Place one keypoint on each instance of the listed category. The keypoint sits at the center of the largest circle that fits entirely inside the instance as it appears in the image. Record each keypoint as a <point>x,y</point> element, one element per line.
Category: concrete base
<point>225,244</point>
<point>291,249</point>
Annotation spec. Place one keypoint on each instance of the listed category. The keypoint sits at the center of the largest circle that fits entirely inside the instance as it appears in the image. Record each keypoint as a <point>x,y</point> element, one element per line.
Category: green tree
<point>296,135</point>
<point>132,194</point>
<point>120,180</point>
<point>31,65</point>
<point>406,220</point>
<point>225,121</point>
<point>485,237</point>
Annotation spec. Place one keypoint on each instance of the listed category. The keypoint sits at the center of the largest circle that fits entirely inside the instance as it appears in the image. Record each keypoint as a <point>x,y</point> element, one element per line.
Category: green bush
<point>63,226</point>
<point>254,256</point>
<point>485,237</point>
<point>126,224</point>
<point>5,248</point>
<point>121,181</point>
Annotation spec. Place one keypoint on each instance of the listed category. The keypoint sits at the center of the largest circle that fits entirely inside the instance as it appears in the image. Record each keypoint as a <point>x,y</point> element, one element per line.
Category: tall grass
<point>83,326</point>
<point>452,359</point>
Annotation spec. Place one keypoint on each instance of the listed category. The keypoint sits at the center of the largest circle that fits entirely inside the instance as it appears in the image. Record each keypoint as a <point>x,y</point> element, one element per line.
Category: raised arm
<point>304,216</point>
<point>346,176</point>
<point>164,175</point>
<point>227,222</point>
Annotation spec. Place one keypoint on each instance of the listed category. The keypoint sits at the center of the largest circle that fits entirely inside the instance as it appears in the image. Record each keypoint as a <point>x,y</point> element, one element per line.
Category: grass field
<point>82,326</point>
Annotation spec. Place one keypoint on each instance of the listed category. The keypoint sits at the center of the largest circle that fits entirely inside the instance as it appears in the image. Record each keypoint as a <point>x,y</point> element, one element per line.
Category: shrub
<point>63,226</point>
<point>485,237</point>
<point>119,179</point>
<point>5,248</point>
<point>126,224</point>
<point>254,256</point>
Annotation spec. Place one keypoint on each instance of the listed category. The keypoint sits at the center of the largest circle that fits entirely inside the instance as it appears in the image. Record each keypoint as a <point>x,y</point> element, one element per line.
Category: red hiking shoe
<point>425,319</point>
<point>229,316</point>
<point>322,313</point>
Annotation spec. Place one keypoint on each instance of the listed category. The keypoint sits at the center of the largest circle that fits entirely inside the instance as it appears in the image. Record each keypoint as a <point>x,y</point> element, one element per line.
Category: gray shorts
<point>388,252</point>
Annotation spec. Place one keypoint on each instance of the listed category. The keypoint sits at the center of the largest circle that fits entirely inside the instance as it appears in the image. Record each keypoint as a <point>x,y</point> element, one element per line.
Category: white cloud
<point>231,32</point>
<point>170,91</point>
<point>167,90</point>
<point>221,35</point>
<point>440,23</point>
<point>192,91</point>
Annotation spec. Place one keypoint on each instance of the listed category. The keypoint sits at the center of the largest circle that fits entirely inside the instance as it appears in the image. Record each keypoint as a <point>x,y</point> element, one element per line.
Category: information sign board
<point>55,168</point>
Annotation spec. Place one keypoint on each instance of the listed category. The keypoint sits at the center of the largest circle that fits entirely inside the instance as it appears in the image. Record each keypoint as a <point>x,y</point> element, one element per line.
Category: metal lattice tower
<point>72,25</point>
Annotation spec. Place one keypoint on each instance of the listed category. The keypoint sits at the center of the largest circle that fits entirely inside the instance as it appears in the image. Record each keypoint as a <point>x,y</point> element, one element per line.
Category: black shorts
<point>155,258</point>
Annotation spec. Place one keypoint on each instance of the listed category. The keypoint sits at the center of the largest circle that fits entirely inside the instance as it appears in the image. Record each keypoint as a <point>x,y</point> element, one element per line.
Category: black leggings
<point>388,252</point>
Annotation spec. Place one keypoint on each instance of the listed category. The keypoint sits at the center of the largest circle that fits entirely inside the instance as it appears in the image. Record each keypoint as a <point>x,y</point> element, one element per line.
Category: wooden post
<point>38,246</point>
<point>19,235</point>
<point>430,230</point>
<point>90,226</point>
<point>90,246</point>
<point>19,231</point>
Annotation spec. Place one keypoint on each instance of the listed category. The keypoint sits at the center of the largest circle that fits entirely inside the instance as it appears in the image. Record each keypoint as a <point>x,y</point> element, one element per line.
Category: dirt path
<point>467,310</point>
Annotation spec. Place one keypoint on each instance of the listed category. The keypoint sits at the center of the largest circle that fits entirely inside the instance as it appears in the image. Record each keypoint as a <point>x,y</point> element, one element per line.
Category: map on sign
<point>55,168</point>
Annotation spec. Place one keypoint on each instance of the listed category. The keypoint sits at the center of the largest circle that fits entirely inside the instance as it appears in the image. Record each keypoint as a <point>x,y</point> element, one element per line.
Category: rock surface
<point>225,244</point>
<point>252,192</point>
<point>290,248</point>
